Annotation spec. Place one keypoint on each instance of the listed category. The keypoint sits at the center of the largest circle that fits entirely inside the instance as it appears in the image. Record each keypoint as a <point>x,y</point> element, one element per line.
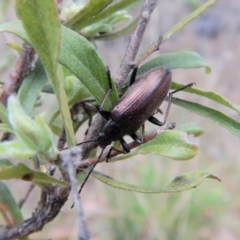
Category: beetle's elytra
<point>142,100</point>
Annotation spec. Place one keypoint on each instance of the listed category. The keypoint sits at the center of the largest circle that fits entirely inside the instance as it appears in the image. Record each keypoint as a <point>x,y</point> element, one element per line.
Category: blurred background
<point>212,210</point>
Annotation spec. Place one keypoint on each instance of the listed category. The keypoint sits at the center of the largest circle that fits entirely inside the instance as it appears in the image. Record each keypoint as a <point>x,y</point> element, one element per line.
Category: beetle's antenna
<point>89,173</point>
<point>110,87</point>
<point>104,100</point>
<point>93,140</point>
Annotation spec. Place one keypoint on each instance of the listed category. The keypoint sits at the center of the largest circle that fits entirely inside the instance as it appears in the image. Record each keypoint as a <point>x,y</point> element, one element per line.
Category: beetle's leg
<point>124,145</point>
<point>159,111</point>
<point>110,150</point>
<point>109,78</point>
<point>134,72</point>
<point>155,121</point>
<point>133,75</point>
<point>143,132</point>
<point>89,114</point>
<point>88,109</point>
<point>170,100</point>
<point>136,138</point>
<point>105,114</point>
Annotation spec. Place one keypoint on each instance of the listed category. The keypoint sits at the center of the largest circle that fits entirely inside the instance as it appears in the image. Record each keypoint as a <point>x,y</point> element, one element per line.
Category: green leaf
<point>93,30</point>
<point>210,95</point>
<point>181,24</point>
<point>9,208</point>
<point>181,183</point>
<point>16,28</point>
<point>175,61</point>
<point>15,47</point>
<point>80,58</point>
<point>22,172</point>
<point>118,33</point>
<point>106,25</point>
<point>15,149</point>
<point>92,8</point>
<point>123,4</point>
<point>216,116</point>
<point>32,87</point>
<point>36,16</point>
<point>3,114</point>
<point>188,19</point>
<point>45,38</point>
<point>5,127</point>
<point>35,135</point>
<point>191,128</point>
<point>5,162</point>
<point>171,143</point>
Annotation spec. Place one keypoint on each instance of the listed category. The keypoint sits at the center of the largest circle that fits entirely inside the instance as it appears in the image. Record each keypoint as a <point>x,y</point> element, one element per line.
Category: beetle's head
<point>103,140</point>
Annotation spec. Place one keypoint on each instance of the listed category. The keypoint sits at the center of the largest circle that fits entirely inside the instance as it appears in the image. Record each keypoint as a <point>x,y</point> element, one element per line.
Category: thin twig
<point>56,199</point>
<point>43,199</point>
<point>23,200</point>
<point>70,158</point>
<point>22,68</point>
<point>134,42</point>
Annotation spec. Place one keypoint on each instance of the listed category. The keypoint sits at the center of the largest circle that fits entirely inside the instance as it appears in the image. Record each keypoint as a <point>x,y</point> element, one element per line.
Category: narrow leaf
<point>173,144</point>
<point>32,87</point>
<point>6,127</point>
<point>8,206</point>
<point>175,61</point>
<point>210,95</point>
<point>92,8</point>
<point>118,33</point>
<point>188,19</point>
<point>122,4</point>
<point>36,16</point>
<point>80,58</point>
<point>5,162</point>
<point>16,28</point>
<point>35,136</point>
<point>182,23</point>
<point>181,183</point>
<point>15,149</point>
<point>22,172</point>
<point>45,38</point>
<point>191,128</point>
<point>216,116</point>
<point>3,114</point>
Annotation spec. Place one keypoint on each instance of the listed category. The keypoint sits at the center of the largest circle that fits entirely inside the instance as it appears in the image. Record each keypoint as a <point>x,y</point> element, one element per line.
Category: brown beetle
<point>138,104</point>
